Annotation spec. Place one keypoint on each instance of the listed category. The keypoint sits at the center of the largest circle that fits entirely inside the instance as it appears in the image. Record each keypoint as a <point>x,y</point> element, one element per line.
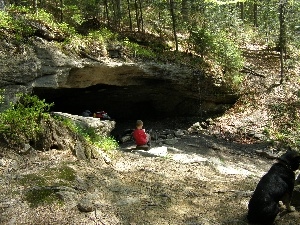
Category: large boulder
<point>55,135</point>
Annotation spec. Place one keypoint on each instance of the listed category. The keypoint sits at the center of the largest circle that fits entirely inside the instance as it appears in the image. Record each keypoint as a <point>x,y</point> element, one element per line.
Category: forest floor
<point>204,179</point>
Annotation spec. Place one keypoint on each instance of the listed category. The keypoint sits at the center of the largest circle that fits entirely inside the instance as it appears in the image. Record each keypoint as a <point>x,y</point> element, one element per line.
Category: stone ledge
<point>102,127</point>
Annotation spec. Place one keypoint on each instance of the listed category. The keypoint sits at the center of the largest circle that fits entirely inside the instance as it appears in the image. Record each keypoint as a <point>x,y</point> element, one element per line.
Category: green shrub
<point>103,142</point>
<point>20,123</point>
<point>221,50</point>
<point>5,20</point>
<point>138,51</point>
<point>201,41</point>
<point>17,25</point>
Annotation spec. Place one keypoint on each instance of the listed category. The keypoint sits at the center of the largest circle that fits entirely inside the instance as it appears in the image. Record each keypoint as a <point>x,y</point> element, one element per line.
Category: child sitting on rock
<point>142,139</point>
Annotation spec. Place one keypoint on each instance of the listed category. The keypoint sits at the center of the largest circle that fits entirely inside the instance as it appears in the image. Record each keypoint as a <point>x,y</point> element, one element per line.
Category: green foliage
<point>221,50</point>
<point>33,179</point>
<point>15,24</point>
<point>201,41</point>
<point>217,47</point>
<point>106,143</point>
<point>101,141</point>
<point>106,34</point>
<point>72,15</point>
<point>20,123</point>
<point>138,51</point>
<point>5,20</point>
<point>48,19</point>
<point>66,173</point>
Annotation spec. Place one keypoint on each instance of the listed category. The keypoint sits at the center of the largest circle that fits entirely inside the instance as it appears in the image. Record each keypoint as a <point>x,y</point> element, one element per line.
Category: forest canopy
<point>213,30</point>
<point>176,20</point>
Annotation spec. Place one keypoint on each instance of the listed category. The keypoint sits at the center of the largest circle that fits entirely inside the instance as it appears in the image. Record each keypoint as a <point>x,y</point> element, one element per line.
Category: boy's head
<point>139,123</point>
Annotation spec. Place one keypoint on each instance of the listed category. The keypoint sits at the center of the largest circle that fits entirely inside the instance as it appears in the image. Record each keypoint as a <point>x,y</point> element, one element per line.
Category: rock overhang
<point>123,89</point>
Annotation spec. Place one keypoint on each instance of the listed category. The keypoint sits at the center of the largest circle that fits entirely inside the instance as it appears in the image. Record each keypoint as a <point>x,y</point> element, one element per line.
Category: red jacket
<point>140,137</point>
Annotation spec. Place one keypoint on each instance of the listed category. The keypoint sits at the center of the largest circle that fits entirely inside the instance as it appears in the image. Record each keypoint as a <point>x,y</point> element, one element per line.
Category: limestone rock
<point>65,78</point>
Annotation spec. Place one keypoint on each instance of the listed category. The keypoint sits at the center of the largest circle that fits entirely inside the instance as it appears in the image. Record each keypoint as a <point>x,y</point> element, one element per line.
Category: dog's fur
<point>276,185</point>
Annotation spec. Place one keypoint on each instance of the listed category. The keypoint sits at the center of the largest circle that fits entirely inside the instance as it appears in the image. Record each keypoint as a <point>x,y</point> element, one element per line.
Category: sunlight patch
<point>232,171</point>
<point>184,158</point>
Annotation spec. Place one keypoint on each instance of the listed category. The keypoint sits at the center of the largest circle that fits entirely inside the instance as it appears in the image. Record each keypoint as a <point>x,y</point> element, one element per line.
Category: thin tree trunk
<point>107,13</point>
<point>35,7</point>
<point>137,15</point>
<point>129,15</point>
<point>2,5</point>
<point>117,14</point>
<point>61,10</point>
<point>141,16</point>
<point>242,10</point>
<point>255,12</point>
<point>185,10</point>
<point>174,23</point>
<point>282,37</point>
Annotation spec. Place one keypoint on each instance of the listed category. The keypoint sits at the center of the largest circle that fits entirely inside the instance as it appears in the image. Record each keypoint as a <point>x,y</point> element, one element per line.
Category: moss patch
<point>40,196</point>
<point>39,184</point>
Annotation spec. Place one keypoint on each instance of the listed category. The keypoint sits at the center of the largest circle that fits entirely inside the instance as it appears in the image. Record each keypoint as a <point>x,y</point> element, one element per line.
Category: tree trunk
<point>141,16</point>
<point>282,36</point>
<point>2,5</point>
<point>117,14</point>
<point>185,10</point>
<point>255,12</point>
<point>107,13</point>
<point>61,10</point>
<point>242,10</point>
<point>173,23</point>
<point>35,7</point>
<point>129,15</point>
<point>137,15</point>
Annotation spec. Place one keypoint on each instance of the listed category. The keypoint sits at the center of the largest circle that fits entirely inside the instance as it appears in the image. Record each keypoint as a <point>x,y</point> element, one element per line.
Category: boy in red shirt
<point>140,136</point>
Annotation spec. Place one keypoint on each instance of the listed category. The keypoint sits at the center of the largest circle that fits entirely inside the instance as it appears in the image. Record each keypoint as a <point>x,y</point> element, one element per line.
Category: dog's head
<point>291,158</point>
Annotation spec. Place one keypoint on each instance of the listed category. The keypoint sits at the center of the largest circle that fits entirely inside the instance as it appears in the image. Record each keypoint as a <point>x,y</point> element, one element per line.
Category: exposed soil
<point>202,180</point>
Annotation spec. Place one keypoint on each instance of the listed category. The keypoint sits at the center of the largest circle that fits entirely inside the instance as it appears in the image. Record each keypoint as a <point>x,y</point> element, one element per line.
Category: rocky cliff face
<point>123,88</point>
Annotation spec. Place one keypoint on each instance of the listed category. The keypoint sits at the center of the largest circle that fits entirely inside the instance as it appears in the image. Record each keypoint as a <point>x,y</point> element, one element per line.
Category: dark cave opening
<point>121,103</point>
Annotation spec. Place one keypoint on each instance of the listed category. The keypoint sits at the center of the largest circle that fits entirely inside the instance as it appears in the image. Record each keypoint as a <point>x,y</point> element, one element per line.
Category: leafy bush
<point>102,142</point>
<point>20,123</point>
<point>221,50</point>
<point>16,24</point>
<point>137,50</point>
<point>201,41</point>
<point>5,20</point>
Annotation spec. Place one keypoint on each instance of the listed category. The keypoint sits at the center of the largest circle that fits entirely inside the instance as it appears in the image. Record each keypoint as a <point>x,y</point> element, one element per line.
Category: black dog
<point>277,185</point>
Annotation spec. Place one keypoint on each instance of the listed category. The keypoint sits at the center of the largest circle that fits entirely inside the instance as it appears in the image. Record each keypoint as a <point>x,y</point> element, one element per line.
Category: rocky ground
<point>199,179</point>
<point>204,177</point>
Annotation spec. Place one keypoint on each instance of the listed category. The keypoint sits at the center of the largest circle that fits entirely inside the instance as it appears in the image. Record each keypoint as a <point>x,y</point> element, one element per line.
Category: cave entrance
<point>121,103</point>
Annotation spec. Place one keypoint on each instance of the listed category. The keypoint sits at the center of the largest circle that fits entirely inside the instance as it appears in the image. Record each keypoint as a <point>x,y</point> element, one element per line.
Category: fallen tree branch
<point>251,72</point>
